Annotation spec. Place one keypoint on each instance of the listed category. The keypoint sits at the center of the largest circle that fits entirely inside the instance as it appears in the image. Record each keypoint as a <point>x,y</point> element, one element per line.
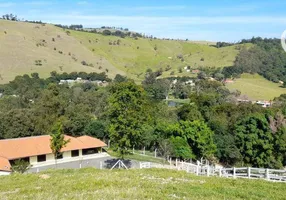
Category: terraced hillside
<point>27,48</point>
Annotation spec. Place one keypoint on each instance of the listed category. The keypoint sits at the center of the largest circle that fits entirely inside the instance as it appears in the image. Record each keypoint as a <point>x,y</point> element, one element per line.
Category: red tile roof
<point>11,149</point>
<point>4,164</point>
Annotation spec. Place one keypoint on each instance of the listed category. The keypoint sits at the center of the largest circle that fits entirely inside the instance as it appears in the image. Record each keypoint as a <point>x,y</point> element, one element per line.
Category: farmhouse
<point>36,150</point>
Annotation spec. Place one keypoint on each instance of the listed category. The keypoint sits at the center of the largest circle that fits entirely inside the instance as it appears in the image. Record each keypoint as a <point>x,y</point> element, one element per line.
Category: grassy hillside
<point>22,43</point>
<point>133,184</point>
<point>256,87</point>
<point>135,56</point>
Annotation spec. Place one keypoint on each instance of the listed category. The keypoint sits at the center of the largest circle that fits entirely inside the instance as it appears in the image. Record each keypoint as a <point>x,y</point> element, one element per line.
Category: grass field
<point>135,56</point>
<point>133,184</point>
<point>257,87</point>
<point>23,43</point>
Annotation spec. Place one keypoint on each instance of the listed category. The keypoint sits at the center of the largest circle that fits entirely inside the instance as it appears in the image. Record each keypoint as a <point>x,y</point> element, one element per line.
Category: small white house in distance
<point>264,104</point>
<point>36,150</point>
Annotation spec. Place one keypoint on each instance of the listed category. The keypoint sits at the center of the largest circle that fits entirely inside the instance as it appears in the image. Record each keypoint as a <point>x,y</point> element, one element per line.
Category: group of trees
<point>10,17</point>
<point>211,126</point>
<point>266,58</point>
<point>73,26</point>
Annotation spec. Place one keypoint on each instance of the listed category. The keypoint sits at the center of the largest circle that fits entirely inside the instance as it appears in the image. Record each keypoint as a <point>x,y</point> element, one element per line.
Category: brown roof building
<point>37,149</point>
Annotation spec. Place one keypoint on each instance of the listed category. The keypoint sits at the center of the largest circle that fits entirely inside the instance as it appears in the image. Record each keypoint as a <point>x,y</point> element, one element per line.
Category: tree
<point>189,112</point>
<point>126,114</point>
<point>96,128</point>
<point>119,78</point>
<point>106,32</point>
<point>181,148</point>
<point>57,141</point>
<point>199,137</point>
<point>165,148</point>
<point>255,141</point>
<point>20,166</point>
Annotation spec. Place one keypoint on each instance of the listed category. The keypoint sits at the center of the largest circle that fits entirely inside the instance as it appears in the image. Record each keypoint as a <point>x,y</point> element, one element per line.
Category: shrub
<point>20,166</point>
<point>84,63</point>
<point>38,62</point>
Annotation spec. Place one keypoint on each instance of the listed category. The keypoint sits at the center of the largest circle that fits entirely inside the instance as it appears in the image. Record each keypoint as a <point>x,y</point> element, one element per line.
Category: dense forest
<point>212,125</point>
<point>266,58</point>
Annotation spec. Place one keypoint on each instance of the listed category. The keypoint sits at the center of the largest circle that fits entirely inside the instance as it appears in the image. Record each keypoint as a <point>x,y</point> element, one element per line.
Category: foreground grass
<point>133,184</point>
<point>257,88</point>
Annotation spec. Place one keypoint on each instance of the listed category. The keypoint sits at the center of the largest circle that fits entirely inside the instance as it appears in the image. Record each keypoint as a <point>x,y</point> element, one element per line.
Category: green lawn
<point>257,87</point>
<point>133,184</point>
<point>143,158</point>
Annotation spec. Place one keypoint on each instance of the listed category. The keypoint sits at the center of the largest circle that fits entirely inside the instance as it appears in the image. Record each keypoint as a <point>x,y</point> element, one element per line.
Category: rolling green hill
<point>23,44</point>
<point>28,47</point>
<point>133,184</point>
<point>135,56</point>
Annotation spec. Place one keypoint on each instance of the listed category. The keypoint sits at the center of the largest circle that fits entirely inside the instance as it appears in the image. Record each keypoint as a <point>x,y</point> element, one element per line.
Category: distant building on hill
<point>227,81</point>
<point>195,71</point>
<point>80,80</point>
<point>264,104</point>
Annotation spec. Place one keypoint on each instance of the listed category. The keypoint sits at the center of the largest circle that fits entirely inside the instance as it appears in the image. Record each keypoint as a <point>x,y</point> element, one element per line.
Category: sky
<point>212,20</point>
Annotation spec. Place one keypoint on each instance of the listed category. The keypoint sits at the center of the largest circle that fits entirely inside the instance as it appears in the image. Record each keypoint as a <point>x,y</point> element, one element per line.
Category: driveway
<point>106,162</point>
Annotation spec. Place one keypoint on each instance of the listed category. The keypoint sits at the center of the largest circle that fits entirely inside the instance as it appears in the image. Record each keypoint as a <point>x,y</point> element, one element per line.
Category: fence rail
<point>207,170</point>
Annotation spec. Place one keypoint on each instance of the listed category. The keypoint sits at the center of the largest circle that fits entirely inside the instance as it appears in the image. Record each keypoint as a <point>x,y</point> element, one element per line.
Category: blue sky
<point>196,20</point>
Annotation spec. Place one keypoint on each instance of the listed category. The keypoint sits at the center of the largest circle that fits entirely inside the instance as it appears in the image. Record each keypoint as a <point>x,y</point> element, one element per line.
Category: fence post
<point>80,165</point>
<point>100,166</point>
<point>155,153</point>
<point>144,150</point>
<point>108,144</point>
<point>133,150</point>
<point>234,176</point>
<point>248,172</point>
<point>197,172</point>
<point>219,172</point>
<point>267,174</point>
<point>208,170</point>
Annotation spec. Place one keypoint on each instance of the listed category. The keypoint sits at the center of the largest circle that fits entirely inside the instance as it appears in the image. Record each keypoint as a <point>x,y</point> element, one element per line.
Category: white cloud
<point>82,2</point>
<point>39,3</point>
<point>6,5</point>
<point>148,8</point>
<point>196,20</point>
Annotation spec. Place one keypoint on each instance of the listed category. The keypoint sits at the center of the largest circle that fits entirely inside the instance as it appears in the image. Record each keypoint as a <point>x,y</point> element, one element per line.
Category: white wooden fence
<point>207,170</point>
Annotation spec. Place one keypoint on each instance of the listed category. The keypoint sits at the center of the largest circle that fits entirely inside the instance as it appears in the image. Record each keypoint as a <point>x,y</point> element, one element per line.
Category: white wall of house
<point>33,160</point>
<point>67,156</point>
<point>2,173</point>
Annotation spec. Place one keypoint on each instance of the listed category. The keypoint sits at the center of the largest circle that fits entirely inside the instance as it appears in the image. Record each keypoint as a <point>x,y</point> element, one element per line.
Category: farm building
<point>36,150</point>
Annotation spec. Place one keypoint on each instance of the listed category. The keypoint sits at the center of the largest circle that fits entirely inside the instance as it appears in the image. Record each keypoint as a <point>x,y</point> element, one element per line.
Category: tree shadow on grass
<point>108,164</point>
